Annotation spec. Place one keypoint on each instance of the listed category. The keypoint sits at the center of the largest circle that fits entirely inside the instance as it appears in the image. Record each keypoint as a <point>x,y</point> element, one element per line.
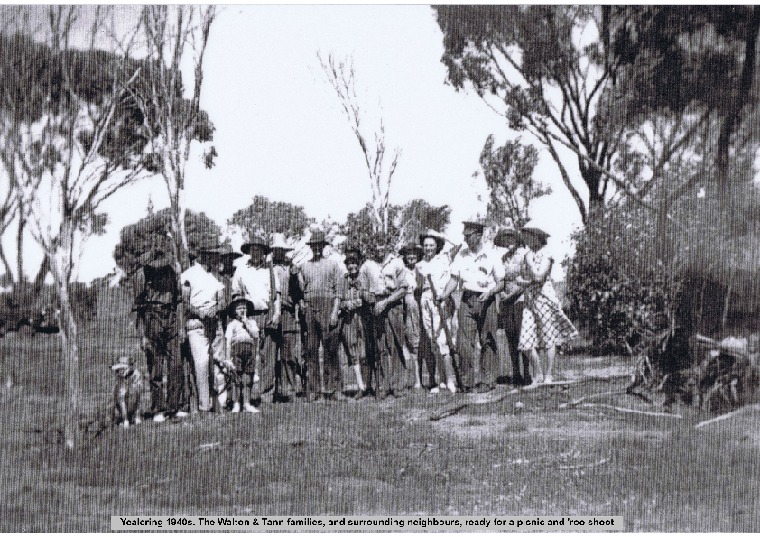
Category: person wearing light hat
<point>544,324</point>
<point>512,301</point>
<point>319,282</point>
<point>435,267</point>
<point>256,281</point>
<point>288,382</point>
<point>411,254</point>
<point>155,302</point>
<point>203,295</point>
<point>478,269</point>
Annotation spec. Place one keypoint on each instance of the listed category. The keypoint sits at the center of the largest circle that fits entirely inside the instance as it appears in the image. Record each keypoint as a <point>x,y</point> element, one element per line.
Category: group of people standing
<point>273,328</point>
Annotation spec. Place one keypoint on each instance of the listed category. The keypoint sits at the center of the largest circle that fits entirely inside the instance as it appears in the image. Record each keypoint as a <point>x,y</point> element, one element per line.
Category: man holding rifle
<point>319,281</point>
<point>256,282</point>
<point>478,269</point>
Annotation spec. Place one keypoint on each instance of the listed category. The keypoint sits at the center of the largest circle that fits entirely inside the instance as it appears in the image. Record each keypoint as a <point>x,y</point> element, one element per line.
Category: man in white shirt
<point>477,269</point>
<point>256,281</point>
<point>203,295</point>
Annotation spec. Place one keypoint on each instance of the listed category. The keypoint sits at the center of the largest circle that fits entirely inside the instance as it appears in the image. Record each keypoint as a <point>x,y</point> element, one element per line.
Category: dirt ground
<point>567,449</point>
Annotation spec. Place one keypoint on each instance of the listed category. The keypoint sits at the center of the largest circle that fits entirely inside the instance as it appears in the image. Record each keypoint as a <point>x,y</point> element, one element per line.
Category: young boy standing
<point>242,337</point>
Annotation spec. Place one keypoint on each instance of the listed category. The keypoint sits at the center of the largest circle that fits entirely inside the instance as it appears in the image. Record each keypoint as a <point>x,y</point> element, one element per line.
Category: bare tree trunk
<point>20,243</point>
<point>39,280</point>
<point>68,333</point>
<point>181,262</point>
<point>741,97</point>
<point>727,302</point>
<point>6,265</point>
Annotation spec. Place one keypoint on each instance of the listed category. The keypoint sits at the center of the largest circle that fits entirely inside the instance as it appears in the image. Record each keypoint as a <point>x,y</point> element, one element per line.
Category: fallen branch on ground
<point>632,411</point>
<point>571,404</point>
<point>447,412</point>
<point>727,415</point>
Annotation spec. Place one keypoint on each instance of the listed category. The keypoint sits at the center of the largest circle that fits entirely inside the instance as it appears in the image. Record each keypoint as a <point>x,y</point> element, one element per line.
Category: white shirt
<point>371,271</point>
<point>478,272</point>
<point>513,266</point>
<point>439,269</point>
<point>393,271</point>
<point>203,289</point>
<point>255,284</point>
<point>237,332</point>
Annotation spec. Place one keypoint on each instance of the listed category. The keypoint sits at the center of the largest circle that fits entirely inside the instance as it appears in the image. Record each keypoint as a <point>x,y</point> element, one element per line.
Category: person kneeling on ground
<point>242,337</point>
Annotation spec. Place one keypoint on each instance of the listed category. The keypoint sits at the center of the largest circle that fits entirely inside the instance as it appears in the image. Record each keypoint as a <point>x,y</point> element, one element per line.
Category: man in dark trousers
<point>511,305</point>
<point>319,281</point>
<point>288,380</point>
<point>155,300</point>
<point>478,269</point>
<point>256,281</point>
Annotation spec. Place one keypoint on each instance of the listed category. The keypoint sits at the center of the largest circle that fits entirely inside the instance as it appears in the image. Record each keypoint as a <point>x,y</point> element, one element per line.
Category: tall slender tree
<point>342,79</point>
<point>75,142</point>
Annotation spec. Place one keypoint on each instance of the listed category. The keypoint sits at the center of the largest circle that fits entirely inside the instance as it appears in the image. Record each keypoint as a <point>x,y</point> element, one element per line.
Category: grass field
<point>490,457</point>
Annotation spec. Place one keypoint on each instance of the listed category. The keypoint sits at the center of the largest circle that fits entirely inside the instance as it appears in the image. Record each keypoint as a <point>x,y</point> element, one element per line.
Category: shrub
<point>622,303</point>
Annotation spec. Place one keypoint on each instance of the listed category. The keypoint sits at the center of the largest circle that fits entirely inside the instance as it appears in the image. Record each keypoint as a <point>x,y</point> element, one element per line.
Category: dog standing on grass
<point>127,395</point>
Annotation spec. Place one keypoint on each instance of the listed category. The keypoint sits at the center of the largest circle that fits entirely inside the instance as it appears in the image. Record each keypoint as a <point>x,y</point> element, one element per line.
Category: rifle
<point>272,292</point>
<point>449,340</point>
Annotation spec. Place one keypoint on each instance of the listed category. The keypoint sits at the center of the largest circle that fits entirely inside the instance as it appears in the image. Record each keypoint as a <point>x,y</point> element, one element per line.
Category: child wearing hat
<point>242,337</point>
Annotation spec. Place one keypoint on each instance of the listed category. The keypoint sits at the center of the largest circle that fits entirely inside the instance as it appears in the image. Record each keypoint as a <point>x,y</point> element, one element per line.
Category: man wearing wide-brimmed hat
<point>391,368</point>
<point>288,381</point>
<point>435,267</point>
<point>256,281</point>
<point>355,298</point>
<point>156,300</point>
<point>512,301</point>
<point>478,269</point>
<point>203,295</point>
<point>319,281</point>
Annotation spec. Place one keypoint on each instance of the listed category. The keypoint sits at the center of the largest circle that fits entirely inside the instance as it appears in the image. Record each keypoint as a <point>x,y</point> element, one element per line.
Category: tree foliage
<point>508,171</point>
<point>371,139</point>
<point>174,36</point>
<point>267,216</point>
<point>677,58</point>
<point>532,65</point>
<point>405,224</point>
<point>154,232</point>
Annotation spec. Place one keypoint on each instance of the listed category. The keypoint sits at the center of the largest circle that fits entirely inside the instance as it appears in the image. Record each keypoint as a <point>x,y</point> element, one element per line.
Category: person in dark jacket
<point>155,300</point>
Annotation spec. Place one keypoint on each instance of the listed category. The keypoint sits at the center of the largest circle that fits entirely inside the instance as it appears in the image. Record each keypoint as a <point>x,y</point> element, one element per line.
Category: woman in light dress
<point>544,324</point>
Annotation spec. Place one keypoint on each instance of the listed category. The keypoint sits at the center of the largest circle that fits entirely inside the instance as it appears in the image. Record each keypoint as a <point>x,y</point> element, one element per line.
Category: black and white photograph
<point>372,268</point>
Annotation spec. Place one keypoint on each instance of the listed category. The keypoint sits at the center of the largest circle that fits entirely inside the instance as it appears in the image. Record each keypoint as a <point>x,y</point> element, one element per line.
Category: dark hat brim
<point>237,300</point>
<point>472,227</point>
<point>248,246</point>
<point>535,232</point>
<point>155,259</point>
<point>502,235</point>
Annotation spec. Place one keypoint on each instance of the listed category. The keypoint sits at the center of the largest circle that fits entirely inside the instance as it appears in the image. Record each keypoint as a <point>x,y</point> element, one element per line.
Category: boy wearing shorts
<point>242,338</point>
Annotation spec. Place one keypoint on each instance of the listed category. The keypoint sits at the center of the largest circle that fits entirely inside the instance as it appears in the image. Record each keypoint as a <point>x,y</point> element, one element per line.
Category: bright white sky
<point>281,134</point>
